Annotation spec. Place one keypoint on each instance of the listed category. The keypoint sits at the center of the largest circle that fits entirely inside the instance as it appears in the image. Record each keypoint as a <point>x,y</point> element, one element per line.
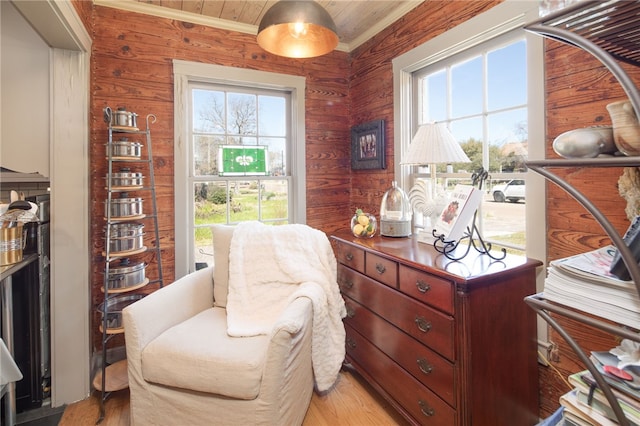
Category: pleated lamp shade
<point>434,144</point>
<point>297,29</point>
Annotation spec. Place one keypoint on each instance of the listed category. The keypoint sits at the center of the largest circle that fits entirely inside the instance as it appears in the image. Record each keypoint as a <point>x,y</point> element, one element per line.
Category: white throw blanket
<point>269,266</point>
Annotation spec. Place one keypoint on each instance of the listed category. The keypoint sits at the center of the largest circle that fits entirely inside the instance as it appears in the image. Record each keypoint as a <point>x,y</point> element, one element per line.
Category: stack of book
<point>586,404</point>
<point>584,282</point>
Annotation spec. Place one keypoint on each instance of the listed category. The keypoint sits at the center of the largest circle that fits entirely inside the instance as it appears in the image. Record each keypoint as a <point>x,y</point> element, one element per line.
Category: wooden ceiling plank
<point>192,6</point>
<point>212,8</point>
<point>232,10</point>
<point>173,4</point>
<point>252,11</point>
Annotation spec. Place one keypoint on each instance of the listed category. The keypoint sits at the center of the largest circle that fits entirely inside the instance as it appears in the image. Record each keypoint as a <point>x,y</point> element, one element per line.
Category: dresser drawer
<point>421,403</point>
<point>422,363</point>
<point>425,324</point>
<point>435,291</point>
<point>381,269</point>
<point>350,256</point>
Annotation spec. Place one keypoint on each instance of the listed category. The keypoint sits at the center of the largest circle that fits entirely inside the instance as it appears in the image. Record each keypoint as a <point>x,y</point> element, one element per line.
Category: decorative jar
<point>626,130</point>
<point>363,225</point>
<point>395,213</point>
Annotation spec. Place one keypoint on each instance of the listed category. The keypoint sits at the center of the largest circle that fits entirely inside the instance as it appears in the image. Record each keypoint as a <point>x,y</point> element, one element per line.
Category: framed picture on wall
<point>367,146</point>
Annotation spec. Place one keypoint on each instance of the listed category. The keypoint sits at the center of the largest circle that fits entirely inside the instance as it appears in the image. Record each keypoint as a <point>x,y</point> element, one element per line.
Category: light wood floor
<point>352,402</point>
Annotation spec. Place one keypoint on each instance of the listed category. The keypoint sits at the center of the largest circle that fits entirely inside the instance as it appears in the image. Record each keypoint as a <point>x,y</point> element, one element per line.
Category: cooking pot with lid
<point>124,149</point>
<point>120,117</point>
<point>124,206</point>
<point>126,237</point>
<point>126,275</point>
<point>126,179</point>
<point>114,307</point>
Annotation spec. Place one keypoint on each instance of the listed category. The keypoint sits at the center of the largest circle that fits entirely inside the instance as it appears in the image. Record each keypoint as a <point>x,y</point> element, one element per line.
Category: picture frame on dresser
<point>367,146</point>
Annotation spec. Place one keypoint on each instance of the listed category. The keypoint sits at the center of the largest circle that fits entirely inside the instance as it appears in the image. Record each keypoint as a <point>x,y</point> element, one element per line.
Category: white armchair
<point>185,369</point>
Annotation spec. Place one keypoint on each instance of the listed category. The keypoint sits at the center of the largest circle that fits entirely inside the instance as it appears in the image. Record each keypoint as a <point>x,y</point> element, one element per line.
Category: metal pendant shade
<point>434,144</point>
<point>297,29</point>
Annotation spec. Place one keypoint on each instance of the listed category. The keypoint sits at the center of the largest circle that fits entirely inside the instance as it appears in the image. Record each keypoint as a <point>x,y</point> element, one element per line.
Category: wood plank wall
<point>371,83</point>
<point>85,12</point>
<point>578,88</point>
<point>131,66</point>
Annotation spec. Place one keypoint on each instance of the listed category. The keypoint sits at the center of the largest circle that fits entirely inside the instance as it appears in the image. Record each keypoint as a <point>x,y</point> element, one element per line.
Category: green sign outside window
<point>240,160</point>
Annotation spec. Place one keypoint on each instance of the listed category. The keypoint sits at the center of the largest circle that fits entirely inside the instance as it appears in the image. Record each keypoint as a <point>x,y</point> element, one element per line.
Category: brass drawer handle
<point>423,287</point>
<point>349,257</point>
<point>380,268</point>
<point>351,312</point>
<point>423,324</point>
<point>424,366</point>
<point>426,410</point>
<point>351,343</point>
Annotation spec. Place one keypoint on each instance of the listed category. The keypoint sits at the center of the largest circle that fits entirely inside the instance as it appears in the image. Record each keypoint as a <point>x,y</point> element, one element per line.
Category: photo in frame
<point>367,146</point>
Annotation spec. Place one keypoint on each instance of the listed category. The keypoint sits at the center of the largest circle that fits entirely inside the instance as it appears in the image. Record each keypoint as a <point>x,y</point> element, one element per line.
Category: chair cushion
<point>221,241</point>
<point>199,355</point>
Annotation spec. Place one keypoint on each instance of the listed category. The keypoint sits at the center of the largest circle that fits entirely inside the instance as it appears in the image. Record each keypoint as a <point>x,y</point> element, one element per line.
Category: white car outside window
<point>512,191</point>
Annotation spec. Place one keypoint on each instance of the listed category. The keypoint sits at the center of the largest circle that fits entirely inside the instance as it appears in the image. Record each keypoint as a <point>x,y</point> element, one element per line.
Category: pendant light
<point>297,29</point>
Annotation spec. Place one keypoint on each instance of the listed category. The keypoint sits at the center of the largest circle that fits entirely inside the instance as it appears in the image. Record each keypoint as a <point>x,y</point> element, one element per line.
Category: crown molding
<point>382,24</point>
<point>194,18</point>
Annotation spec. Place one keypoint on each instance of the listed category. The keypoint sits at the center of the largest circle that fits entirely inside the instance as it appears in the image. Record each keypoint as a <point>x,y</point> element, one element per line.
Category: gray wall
<point>24,59</point>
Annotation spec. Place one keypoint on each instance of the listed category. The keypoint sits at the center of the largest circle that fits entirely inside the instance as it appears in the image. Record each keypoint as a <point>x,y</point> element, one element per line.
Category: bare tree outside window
<point>225,121</point>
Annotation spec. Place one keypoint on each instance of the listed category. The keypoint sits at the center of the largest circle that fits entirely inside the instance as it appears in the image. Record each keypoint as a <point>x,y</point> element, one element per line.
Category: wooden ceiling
<point>357,21</point>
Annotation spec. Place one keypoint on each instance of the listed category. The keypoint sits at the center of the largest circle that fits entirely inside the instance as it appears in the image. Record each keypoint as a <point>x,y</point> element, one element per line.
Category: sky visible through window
<point>230,117</point>
<point>501,98</point>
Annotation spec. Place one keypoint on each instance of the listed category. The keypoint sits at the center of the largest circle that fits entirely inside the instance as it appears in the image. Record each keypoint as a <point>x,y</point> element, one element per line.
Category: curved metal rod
<point>568,36</point>
<point>602,384</point>
<point>629,260</point>
<point>151,117</point>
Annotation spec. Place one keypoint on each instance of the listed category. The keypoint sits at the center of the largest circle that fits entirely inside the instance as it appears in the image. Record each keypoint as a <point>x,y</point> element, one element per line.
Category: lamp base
<point>395,228</point>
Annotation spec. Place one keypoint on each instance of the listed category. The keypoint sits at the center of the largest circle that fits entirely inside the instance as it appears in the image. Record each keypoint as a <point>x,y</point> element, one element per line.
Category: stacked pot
<point>124,236</point>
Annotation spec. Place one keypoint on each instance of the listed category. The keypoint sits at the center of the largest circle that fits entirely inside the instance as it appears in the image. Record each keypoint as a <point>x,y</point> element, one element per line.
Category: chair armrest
<point>288,362</point>
<point>149,317</point>
<point>295,316</point>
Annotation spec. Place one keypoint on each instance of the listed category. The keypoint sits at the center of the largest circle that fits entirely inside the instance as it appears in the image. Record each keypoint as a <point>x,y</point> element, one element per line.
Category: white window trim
<point>507,16</point>
<point>185,72</point>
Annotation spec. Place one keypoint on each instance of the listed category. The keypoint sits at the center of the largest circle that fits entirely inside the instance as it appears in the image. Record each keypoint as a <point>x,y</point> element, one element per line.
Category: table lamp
<point>432,144</point>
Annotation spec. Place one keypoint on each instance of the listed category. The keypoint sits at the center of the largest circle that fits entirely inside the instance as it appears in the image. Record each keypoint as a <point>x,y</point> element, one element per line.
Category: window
<point>482,80</point>
<point>481,95</point>
<point>499,20</point>
<point>239,153</point>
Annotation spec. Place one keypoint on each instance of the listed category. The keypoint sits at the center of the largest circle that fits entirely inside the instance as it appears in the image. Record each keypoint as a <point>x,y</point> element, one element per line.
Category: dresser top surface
<point>409,251</point>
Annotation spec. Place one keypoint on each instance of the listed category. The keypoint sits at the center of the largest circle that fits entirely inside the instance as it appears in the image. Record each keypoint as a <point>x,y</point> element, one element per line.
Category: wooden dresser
<point>446,343</point>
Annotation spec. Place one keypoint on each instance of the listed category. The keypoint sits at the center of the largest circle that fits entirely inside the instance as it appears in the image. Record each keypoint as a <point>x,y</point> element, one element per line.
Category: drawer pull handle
<point>349,257</point>
<point>423,287</point>
<point>351,312</point>
<point>348,284</point>
<point>380,268</point>
<point>351,343</point>
<point>424,366</point>
<point>426,410</point>
<point>423,324</point>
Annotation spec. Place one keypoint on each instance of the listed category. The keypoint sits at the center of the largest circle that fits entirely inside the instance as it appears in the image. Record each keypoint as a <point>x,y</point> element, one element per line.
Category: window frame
<point>187,73</point>
<point>446,65</point>
<point>499,20</point>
